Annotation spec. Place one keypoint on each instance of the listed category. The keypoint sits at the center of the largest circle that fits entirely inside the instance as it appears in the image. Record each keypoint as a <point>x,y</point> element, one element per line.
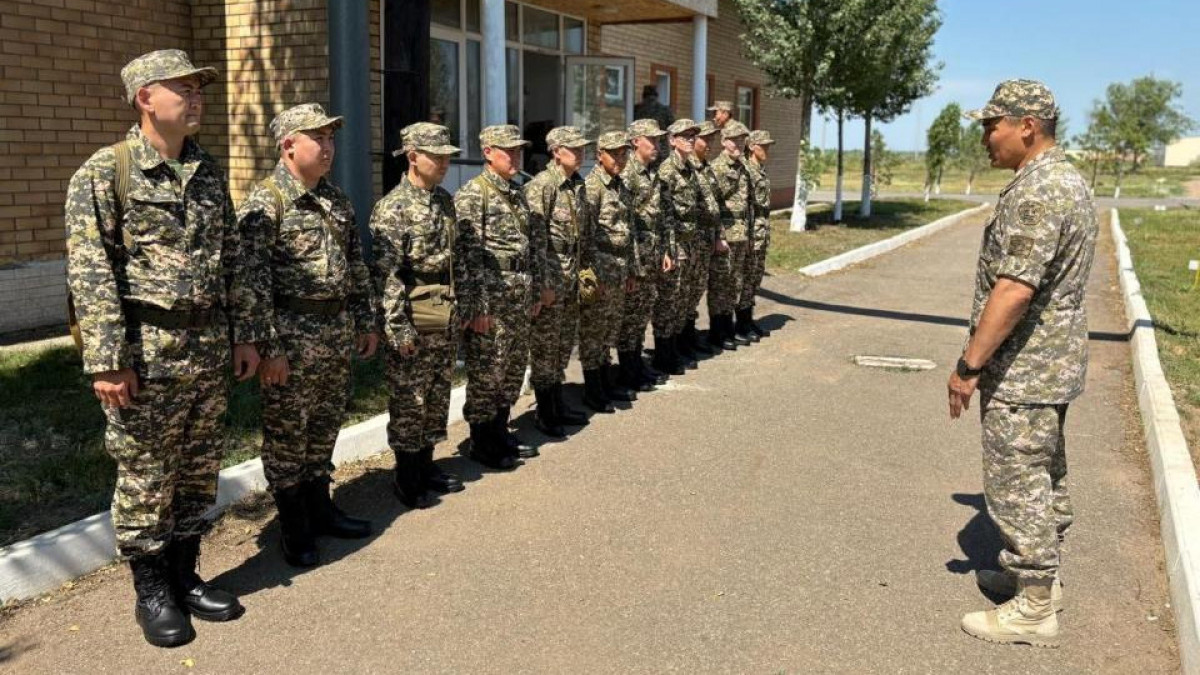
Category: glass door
<point>599,93</point>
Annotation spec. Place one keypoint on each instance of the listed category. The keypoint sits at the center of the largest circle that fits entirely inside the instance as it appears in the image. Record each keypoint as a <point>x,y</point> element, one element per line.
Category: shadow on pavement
<point>979,539</point>
<point>16,648</point>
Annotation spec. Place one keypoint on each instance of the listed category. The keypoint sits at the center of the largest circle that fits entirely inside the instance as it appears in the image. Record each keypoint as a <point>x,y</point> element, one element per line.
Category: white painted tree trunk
<point>799,221</point>
<point>837,190</point>
<point>864,206</point>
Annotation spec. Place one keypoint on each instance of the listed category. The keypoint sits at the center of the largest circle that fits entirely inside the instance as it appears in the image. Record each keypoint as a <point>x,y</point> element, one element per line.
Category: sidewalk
<point>778,510</point>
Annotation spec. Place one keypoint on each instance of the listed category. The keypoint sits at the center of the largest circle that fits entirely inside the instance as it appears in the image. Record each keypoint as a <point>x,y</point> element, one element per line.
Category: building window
<point>747,105</point>
<point>614,84</point>
<point>443,84</point>
<point>573,35</point>
<point>446,12</point>
<point>540,28</point>
<point>663,78</point>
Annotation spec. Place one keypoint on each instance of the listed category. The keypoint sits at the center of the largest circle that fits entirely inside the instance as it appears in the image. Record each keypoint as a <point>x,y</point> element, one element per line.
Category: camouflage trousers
<point>419,391</point>
<point>666,297</point>
<point>167,445</point>
<point>301,419</point>
<point>496,360</point>
<point>694,281</point>
<point>552,337</point>
<point>725,278</point>
<point>1024,483</point>
<point>756,269</point>
<point>600,325</point>
<point>638,308</point>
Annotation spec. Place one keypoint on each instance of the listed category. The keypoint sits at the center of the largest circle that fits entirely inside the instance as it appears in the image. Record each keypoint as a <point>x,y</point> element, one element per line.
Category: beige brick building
<point>566,62</point>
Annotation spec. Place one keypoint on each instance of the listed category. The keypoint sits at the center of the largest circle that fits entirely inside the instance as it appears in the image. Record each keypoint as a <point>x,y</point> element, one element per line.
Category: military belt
<point>192,319</point>
<point>431,279</point>
<point>513,264</point>
<point>306,306</point>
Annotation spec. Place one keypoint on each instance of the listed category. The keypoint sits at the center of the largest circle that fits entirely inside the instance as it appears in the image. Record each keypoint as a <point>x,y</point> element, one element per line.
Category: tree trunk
<point>799,220</point>
<point>837,190</point>
<point>937,185</point>
<point>1120,175</point>
<point>1095,169</point>
<point>970,181</point>
<point>864,206</point>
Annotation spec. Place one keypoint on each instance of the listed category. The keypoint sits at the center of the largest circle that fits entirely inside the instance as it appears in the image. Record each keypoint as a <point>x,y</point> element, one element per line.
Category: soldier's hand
<point>245,361</point>
<point>481,324</point>
<point>667,263</point>
<point>367,344</point>
<point>536,309</point>
<point>631,284</point>
<point>960,391</point>
<point>274,372</point>
<point>721,247</point>
<point>116,388</point>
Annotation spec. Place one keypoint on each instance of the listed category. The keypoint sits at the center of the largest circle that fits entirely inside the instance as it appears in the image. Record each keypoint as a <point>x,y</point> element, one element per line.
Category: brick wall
<point>670,44</point>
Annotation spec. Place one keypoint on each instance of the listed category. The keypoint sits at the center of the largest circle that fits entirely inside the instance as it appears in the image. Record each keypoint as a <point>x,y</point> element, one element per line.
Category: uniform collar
<point>410,189</point>
<point>605,177</point>
<point>290,186</point>
<point>496,181</point>
<point>1051,155</point>
<point>146,156</point>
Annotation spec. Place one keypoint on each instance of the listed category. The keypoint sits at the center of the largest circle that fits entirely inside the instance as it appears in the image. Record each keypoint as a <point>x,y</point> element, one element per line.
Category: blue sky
<point>1076,47</point>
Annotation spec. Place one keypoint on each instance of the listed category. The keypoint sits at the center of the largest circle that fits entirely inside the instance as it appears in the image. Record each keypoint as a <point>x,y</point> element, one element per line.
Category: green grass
<point>1162,243</point>
<point>53,468</point>
<point>792,250</point>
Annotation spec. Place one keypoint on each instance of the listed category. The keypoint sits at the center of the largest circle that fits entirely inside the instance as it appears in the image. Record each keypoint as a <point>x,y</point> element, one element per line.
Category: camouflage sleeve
<point>666,220</point>
<point>589,225</point>
<point>538,239</point>
<point>389,232</point>
<point>361,297</point>
<point>1030,239</point>
<point>534,195</point>
<point>470,253</point>
<point>253,314</point>
<point>91,221</point>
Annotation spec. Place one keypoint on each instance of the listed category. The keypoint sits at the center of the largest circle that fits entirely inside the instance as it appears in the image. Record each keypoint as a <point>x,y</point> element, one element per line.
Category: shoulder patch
<point>1030,213</point>
<point>1019,246</point>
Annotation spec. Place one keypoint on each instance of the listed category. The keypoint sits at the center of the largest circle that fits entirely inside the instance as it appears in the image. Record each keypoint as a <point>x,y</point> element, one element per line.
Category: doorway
<point>542,98</point>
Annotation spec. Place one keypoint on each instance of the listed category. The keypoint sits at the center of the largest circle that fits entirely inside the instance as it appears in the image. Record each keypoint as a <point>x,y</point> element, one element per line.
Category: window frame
<point>738,86</point>
<point>672,72</point>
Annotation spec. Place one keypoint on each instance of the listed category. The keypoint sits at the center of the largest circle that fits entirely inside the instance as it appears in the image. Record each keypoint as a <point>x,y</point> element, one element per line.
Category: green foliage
<point>972,156</point>
<point>943,141</point>
<point>883,162</point>
<point>1137,116</point>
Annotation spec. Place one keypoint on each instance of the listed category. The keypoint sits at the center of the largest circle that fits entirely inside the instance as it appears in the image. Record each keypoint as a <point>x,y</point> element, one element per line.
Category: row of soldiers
<point>172,285</point>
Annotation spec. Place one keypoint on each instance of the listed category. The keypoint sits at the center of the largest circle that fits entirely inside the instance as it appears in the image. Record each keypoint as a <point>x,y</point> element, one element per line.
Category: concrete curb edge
<point>1171,465</point>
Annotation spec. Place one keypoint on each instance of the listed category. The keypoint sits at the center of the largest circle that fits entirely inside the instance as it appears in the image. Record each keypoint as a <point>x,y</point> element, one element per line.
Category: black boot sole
<point>422,502</point>
<point>169,642</point>
<point>227,615</point>
<point>445,486</point>
<point>602,408</point>
<point>551,430</point>
<point>301,559</point>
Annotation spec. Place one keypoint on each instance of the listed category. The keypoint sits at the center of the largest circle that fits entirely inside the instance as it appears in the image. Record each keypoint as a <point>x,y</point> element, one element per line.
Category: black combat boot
<point>408,481</point>
<point>758,330</point>
<point>716,334</point>
<point>200,599</point>
<point>507,439</point>
<point>664,355</point>
<point>649,372</point>
<point>613,390</point>
<point>567,415</point>
<point>700,348</point>
<point>327,518</point>
<point>163,622</point>
<point>434,478</point>
<point>594,395</point>
<point>683,351</point>
<point>631,372</point>
<point>486,451</point>
<point>545,418</point>
<point>732,333</point>
<point>296,536</point>
<point>744,330</point>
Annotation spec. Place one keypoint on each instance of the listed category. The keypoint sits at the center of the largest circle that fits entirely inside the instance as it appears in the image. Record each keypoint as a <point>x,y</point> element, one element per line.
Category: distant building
<point>1182,152</point>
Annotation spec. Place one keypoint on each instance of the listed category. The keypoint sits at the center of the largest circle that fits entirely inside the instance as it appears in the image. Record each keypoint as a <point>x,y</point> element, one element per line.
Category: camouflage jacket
<point>657,111</point>
<point>1043,233</point>
<point>492,238</point>
<point>172,245</point>
<point>655,233</point>
<point>412,231</point>
<point>710,212</point>
<point>558,208</point>
<point>609,245</point>
<point>310,251</point>
<point>683,196</point>
<point>761,186</point>
<point>733,186</point>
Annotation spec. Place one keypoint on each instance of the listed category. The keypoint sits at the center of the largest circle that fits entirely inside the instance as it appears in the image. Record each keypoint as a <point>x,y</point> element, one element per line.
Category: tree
<point>883,161</point>
<point>1093,146</point>
<point>1135,117</point>
<point>791,42</point>
<point>972,156</point>
<point>942,143</point>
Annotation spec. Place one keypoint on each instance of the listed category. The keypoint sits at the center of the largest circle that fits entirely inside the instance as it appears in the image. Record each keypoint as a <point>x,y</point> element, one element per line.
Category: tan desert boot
<point>1005,583</point>
<point>1028,618</point>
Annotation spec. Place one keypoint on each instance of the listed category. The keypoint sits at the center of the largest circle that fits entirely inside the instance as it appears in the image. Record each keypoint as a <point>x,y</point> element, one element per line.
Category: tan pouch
<point>589,286</point>
<point>430,308</point>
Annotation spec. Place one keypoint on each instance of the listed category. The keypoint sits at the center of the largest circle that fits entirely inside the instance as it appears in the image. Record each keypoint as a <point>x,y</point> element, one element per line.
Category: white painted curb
<point>1170,464</point>
<point>869,251</point>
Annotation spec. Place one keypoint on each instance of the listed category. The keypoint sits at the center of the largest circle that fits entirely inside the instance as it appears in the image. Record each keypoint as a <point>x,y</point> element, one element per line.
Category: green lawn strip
<point>1162,243</point>
<point>792,250</point>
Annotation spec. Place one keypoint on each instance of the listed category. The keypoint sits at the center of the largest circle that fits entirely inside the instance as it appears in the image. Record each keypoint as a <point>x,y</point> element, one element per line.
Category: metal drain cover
<point>894,363</point>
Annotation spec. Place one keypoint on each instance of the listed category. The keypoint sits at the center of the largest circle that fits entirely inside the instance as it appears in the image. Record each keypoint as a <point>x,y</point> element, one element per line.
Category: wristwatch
<point>966,372</point>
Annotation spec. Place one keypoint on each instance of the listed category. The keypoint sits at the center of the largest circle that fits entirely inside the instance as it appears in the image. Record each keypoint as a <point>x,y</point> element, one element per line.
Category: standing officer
<point>306,261</point>
<point>722,112</point>
<point>682,202</point>
<point>413,233</point>
<point>715,253</point>
<point>656,246</point>
<point>154,273</point>
<point>610,250</point>
<point>557,208</point>
<point>1027,355</point>
<point>651,107</point>
<point>499,266</point>
<point>758,143</point>
<point>733,186</point>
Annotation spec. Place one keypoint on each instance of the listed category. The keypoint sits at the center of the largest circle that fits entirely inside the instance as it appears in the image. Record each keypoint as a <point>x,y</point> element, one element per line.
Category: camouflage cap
<point>501,136</point>
<point>570,137</point>
<point>1018,98</point>
<point>727,106</point>
<point>708,128</point>
<point>759,137</point>
<point>734,129</point>
<point>426,137</point>
<point>645,127</point>
<point>682,126</point>
<point>613,140</point>
<point>164,64</point>
<point>303,117</point>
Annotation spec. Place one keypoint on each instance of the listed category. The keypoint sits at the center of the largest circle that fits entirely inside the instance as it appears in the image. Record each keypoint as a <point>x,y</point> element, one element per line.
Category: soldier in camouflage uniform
<point>557,207</point>
<point>306,262</point>
<point>1027,355</point>
<point>499,267</point>
<point>715,255</point>
<point>655,235</point>
<point>154,272</point>
<point>758,144</point>
<point>683,202</point>
<point>610,250</point>
<point>737,217</point>
<point>722,112</point>
<point>652,108</point>
<point>412,228</point>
